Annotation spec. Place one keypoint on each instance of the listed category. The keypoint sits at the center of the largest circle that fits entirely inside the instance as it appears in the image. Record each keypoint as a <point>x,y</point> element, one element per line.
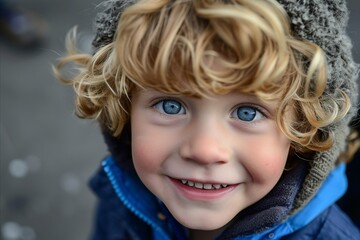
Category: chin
<point>204,225</point>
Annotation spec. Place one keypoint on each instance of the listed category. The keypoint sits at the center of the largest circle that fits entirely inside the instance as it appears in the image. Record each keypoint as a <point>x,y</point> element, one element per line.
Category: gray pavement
<point>46,153</point>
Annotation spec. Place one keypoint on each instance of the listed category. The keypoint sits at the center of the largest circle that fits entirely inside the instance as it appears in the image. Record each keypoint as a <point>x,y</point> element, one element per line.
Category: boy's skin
<point>228,139</point>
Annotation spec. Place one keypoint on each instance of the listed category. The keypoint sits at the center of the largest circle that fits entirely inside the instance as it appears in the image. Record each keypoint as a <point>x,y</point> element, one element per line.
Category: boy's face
<point>206,159</point>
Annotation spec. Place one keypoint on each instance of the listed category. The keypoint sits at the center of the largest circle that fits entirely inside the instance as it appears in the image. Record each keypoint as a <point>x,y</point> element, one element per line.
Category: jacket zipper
<point>107,166</point>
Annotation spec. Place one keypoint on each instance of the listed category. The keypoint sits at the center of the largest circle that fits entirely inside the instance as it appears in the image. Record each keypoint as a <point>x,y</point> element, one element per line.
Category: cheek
<point>139,152</point>
<point>144,153</point>
<point>150,148</point>
<point>274,168</point>
<point>139,138</point>
<point>267,163</point>
<point>142,143</point>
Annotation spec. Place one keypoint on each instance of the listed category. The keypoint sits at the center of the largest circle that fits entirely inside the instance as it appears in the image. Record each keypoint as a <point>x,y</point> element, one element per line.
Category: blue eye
<point>247,114</point>
<point>171,107</point>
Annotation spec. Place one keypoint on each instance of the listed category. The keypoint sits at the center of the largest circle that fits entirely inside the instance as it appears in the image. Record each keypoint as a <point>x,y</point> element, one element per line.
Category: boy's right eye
<point>170,106</point>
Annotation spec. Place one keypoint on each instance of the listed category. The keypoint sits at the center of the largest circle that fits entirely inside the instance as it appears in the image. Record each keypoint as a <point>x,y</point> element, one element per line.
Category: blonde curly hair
<point>251,39</point>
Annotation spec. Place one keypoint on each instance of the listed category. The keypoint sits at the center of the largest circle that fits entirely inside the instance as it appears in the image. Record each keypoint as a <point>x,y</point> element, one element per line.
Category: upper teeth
<point>206,186</point>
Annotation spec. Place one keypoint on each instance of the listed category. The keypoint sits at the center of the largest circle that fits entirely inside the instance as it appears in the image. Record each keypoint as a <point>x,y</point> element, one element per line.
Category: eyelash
<point>163,100</point>
<point>257,108</point>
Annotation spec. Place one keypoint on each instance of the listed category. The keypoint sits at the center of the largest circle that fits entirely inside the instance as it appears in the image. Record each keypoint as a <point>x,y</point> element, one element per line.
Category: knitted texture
<point>324,23</point>
<point>106,22</point>
<point>320,21</point>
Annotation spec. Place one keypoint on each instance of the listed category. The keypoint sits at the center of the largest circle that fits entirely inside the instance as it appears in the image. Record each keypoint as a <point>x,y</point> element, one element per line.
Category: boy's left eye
<point>170,106</point>
<point>247,114</point>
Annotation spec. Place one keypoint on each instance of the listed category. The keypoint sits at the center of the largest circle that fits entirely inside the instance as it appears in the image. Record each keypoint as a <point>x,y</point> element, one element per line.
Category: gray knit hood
<point>320,21</point>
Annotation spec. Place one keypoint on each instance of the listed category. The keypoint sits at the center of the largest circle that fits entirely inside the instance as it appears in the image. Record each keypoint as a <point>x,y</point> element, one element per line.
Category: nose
<point>206,146</point>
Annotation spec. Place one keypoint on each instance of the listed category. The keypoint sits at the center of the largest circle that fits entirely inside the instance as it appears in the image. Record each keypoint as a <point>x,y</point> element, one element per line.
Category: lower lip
<point>202,194</point>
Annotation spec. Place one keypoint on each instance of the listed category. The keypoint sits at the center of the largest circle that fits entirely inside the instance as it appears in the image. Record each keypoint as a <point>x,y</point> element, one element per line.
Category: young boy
<point>224,119</point>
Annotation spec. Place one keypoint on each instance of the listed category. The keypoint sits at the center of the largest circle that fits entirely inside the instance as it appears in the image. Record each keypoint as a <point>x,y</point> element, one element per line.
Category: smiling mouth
<point>205,186</point>
<point>203,191</point>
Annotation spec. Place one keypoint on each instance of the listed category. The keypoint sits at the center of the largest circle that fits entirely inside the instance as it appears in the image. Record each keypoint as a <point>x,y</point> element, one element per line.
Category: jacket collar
<point>272,209</point>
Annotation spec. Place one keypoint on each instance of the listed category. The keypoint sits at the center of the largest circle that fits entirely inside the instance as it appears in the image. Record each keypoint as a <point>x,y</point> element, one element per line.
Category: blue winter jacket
<point>127,210</point>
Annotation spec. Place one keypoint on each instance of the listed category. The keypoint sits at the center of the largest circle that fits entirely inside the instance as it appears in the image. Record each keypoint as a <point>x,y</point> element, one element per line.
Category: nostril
<point>203,153</point>
<point>206,142</point>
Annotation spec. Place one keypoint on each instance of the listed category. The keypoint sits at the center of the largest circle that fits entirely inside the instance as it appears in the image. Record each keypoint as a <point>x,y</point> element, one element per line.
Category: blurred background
<point>46,153</point>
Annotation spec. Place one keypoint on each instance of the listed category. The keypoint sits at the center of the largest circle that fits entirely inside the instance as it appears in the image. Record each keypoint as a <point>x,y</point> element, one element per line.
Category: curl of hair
<point>251,40</point>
